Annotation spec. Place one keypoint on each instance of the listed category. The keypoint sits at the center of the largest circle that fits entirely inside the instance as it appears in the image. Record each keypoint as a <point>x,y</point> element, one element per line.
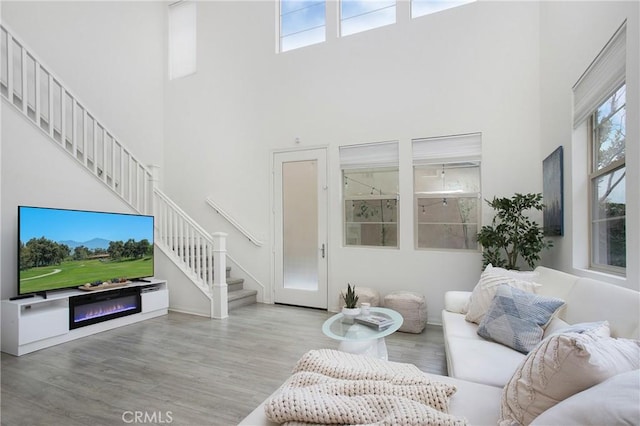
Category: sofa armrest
<point>457,301</point>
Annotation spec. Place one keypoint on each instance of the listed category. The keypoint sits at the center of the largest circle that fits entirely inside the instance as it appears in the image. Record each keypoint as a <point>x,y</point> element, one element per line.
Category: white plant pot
<point>350,314</point>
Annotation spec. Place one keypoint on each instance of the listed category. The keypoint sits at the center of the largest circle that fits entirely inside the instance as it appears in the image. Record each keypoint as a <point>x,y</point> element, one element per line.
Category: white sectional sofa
<point>483,370</point>
<point>473,358</point>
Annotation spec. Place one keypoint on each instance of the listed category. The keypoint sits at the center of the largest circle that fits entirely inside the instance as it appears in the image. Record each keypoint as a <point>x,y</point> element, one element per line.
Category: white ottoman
<point>412,307</point>
<point>365,294</point>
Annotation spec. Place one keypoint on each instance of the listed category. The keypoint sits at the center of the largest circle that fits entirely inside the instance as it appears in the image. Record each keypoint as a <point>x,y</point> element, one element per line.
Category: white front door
<point>300,217</point>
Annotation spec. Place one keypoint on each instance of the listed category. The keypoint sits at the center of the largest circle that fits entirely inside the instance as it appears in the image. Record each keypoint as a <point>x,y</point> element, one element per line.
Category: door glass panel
<point>300,225</point>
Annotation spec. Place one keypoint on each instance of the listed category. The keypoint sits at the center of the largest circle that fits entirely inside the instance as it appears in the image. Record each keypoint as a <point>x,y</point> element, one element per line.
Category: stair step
<point>234,284</point>
<point>239,298</point>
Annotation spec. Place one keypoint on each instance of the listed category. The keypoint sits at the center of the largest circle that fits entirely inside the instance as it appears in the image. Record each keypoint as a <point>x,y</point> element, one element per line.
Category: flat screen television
<point>59,248</point>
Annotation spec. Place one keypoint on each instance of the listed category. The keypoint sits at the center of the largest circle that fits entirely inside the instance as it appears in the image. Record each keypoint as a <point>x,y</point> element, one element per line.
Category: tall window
<point>600,101</point>
<point>426,7</point>
<point>302,23</point>
<point>446,180</point>
<point>362,15</point>
<point>182,39</point>
<point>370,194</point>
<point>608,194</point>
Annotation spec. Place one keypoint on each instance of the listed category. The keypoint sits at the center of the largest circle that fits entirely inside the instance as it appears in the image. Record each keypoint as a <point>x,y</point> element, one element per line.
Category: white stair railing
<point>233,222</point>
<point>193,249</point>
<point>35,91</point>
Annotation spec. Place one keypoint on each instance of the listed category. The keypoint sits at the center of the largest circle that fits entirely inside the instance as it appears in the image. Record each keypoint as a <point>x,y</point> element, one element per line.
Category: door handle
<point>322,250</point>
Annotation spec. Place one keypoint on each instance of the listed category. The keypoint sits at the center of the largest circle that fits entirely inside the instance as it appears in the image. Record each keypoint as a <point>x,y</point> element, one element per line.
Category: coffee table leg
<point>382,349</point>
<point>376,348</point>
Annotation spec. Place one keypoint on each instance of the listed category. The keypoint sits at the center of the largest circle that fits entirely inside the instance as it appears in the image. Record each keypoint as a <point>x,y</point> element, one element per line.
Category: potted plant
<point>512,235</point>
<point>350,309</point>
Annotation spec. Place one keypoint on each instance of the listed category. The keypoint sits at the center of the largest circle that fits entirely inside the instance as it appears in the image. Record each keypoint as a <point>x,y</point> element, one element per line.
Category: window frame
<point>182,62</point>
<point>444,195</point>
<point>381,157</point>
<point>280,37</point>
<point>457,150</point>
<point>416,6</point>
<point>593,175</point>
<point>342,19</point>
<point>372,197</point>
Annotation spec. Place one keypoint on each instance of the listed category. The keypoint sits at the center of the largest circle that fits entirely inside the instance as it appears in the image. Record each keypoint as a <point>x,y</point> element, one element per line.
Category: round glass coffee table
<point>362,339</point>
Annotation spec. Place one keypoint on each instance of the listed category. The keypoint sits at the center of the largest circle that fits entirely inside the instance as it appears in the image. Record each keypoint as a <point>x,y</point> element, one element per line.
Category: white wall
<point>110,54</point>
<point>470,69</point>
<point>566,52</point>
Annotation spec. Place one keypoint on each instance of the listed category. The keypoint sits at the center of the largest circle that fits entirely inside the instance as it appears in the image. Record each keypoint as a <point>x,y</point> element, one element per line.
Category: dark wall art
<point>552,193</point>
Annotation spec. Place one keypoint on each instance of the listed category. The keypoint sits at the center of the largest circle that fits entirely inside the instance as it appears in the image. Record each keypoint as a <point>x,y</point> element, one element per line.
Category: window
<point>426,7</point>
<point>600,101</point>
<point>608,199</point>
<point>182,39</point>
<point>302,23</point>
<point>362,15</point>
<point>446,181</point>
<point>370,194</point>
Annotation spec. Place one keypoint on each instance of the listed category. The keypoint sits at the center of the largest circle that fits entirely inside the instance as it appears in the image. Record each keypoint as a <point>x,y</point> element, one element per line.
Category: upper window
<point>182,39</point>
<point>446,180</point>
<point>608,194</point>
<point>362,15</point>
<point>302,23</point>
<point>599,99</point>
<point>370,194</point>
<point>426,7</point>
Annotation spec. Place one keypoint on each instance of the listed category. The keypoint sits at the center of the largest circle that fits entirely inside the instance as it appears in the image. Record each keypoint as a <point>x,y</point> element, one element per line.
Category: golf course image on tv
<point>60,248</point>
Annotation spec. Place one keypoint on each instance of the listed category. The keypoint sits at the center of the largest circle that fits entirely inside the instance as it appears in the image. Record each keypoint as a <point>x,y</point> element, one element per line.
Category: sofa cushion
<point>616,401</point>
<point>484,291</point>
<point>591,300</point>
<point>561,366</point>
<point>555,283</point>
<point>481,361</point>
<point>454,325</point>
<point>517,318</point>
<point>554,326</point>
<point>595,329</point>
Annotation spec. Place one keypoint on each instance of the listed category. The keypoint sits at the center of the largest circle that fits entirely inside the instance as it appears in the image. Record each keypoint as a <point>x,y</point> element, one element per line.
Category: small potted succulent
<point>350,309</point>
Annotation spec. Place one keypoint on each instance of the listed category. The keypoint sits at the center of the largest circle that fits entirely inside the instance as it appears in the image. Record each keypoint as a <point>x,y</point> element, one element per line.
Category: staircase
<point>237,295</point>
<point>40,96</point>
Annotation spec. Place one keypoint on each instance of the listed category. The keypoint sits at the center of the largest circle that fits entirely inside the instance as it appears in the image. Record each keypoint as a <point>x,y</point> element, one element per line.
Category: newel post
<point>219,308</point>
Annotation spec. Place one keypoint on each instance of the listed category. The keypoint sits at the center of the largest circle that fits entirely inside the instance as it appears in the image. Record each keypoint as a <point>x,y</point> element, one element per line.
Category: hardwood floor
<point>179,369</point>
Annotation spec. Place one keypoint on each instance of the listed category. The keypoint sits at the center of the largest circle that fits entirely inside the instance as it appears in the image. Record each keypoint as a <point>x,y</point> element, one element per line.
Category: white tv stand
<point>35,323</point>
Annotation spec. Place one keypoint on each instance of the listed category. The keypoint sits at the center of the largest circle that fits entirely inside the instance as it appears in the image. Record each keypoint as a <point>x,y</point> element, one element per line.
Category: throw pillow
<point>517,319</point>
<point>561,366</point>
<point>484,291</point>
<point>595,329</point>
<point>615,401</point>
<point>531,276</point>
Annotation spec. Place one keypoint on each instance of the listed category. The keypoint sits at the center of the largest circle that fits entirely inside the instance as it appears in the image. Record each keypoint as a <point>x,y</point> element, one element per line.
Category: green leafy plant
<point>350,298</point>
<point>512,234</point>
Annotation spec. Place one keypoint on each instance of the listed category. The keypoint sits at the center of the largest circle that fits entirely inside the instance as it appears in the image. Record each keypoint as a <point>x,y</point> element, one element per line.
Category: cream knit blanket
<point>333,387</point>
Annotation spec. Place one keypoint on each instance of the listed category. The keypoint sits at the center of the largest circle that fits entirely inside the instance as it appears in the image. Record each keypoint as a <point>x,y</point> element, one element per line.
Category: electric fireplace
<point>103,306</point>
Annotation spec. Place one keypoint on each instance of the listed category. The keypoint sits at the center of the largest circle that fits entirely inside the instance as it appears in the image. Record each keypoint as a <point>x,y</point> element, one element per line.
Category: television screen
<point>60,248</point>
